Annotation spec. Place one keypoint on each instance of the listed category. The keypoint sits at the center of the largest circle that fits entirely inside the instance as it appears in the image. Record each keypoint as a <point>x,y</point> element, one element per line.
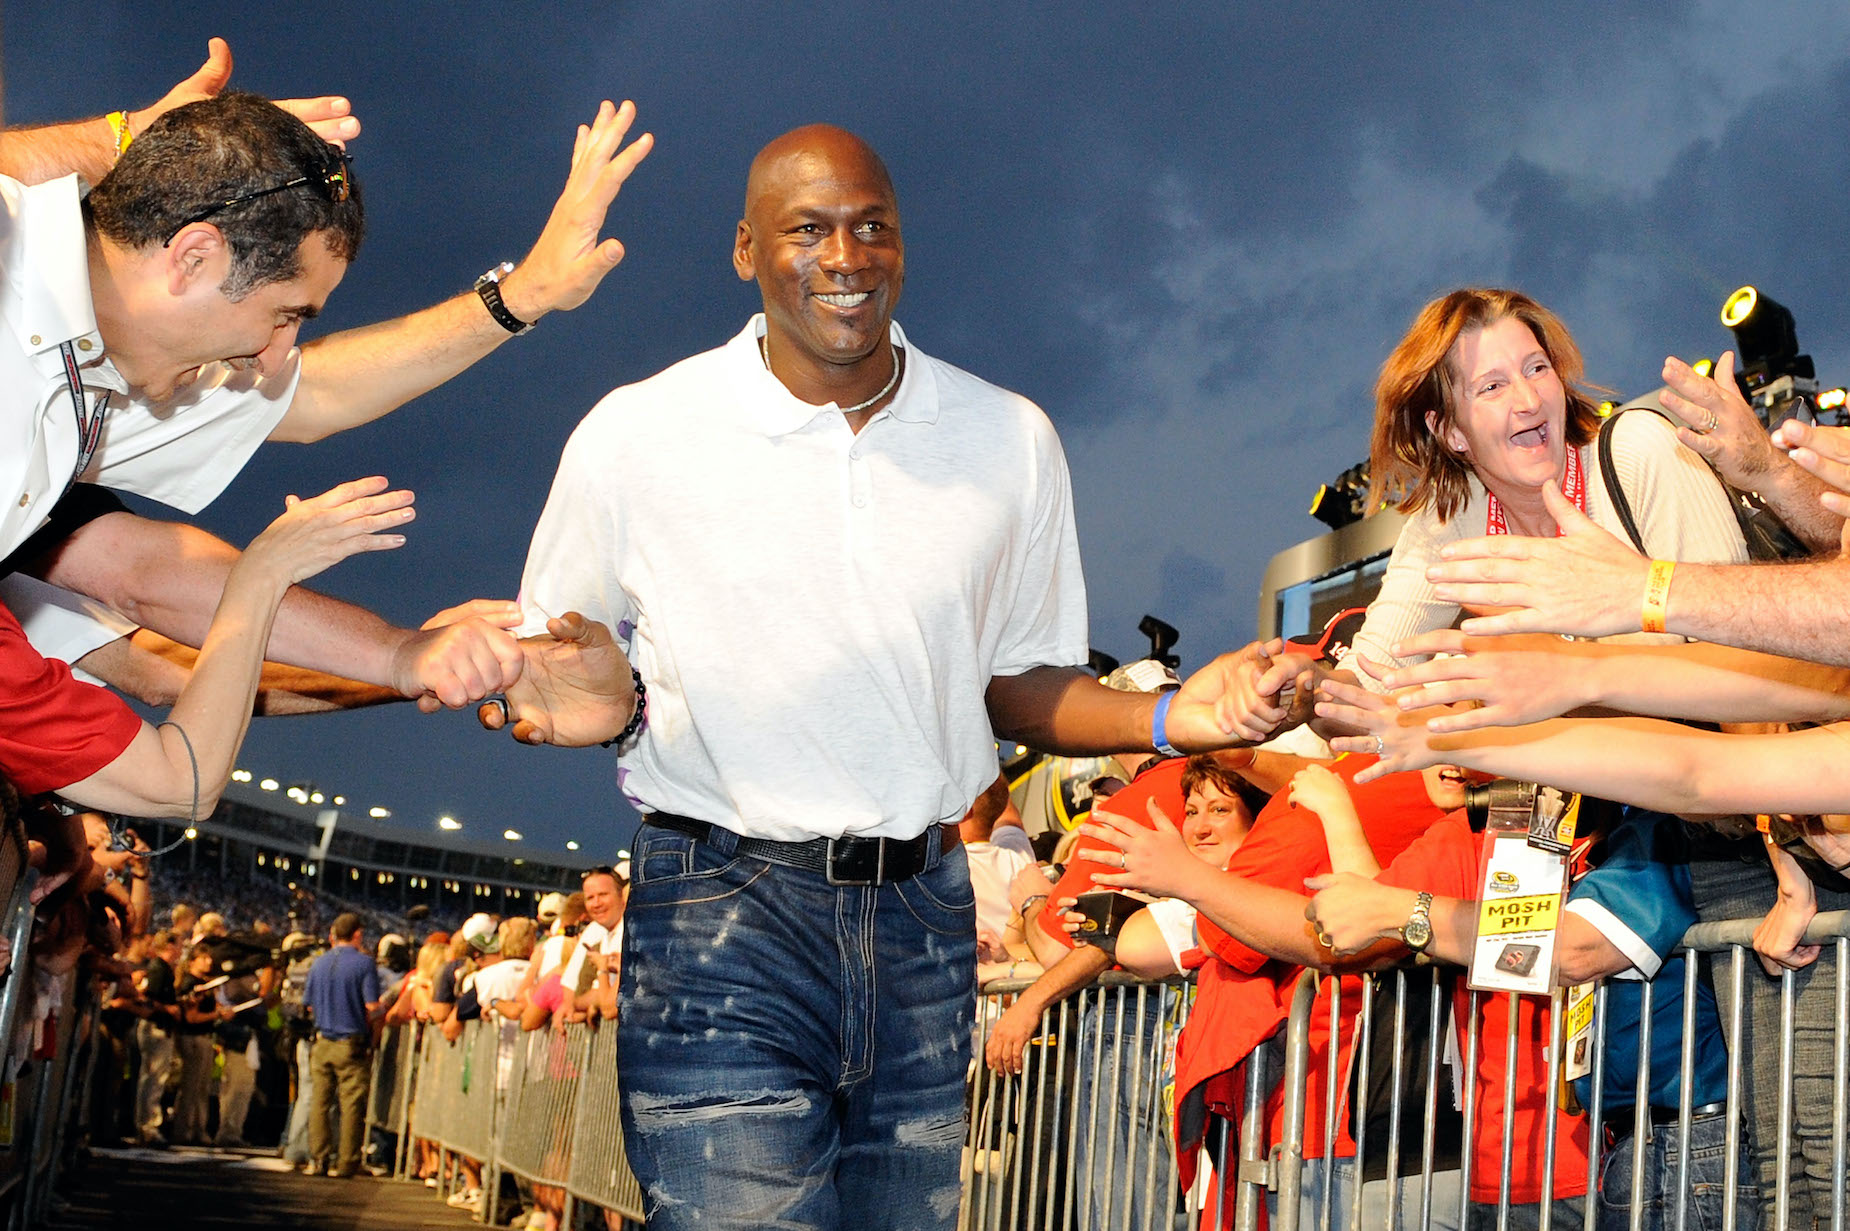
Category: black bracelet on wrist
<point>636,716</point>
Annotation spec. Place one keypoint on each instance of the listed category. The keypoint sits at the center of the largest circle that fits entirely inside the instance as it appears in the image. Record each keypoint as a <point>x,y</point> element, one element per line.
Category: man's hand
<point>330,115</point>
<point>1514,680</point>
<point>1235,697</point>
<point>1155,860</point>
<point>576,689</point>
<point>1351,912</point>
<point>1587,583</point>
<point>1008,1038</point>
<point>1778,937</point>
<point>456,664</point>
<point>1737,445</point>
<point>568,260</point>
<point>1030,882</point>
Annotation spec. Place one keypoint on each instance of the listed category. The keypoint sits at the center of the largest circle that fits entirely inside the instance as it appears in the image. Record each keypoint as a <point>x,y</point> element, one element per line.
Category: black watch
<point>488,286</point>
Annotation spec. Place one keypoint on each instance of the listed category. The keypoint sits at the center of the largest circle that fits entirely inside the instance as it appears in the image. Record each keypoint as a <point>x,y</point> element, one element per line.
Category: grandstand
<point>289,840</point>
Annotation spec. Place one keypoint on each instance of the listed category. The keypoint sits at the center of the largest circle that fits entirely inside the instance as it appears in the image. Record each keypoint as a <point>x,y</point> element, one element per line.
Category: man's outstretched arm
<point>354,377</point>
<point>153,669</point>
<point>169,577</point>
<point>89,147</point>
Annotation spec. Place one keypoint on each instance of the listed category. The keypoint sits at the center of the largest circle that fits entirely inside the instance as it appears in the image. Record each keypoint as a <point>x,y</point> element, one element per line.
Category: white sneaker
<point>467,1199</point>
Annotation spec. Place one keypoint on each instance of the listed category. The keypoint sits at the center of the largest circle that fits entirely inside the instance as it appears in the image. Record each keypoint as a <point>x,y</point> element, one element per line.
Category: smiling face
<point>1509,418</point>
<point>821,237</point>
<point>1214,824</point>
<point>200,325</point>
<point>1445,785</point>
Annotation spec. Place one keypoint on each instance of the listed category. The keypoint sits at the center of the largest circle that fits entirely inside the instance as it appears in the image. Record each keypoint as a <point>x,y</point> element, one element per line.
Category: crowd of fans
<point>1340,842</point>
<point>217,1029</point>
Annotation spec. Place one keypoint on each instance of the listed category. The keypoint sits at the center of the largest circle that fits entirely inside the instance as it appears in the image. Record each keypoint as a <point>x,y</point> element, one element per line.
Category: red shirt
<point>1445,862</point>
<point>54,730</point>
<point>1161,782</point>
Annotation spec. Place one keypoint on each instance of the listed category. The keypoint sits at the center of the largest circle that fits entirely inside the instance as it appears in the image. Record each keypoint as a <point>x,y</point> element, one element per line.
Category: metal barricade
<point>598,1171</point>
<point>1080,1137</point>
<point>535,1141</point>
<point>388,1093</point>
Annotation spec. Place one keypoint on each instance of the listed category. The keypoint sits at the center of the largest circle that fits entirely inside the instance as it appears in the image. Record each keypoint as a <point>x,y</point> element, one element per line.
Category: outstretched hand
<point>1586,583</point>
<point>1513,680</point>
<point>576,689</point>
<point>569,260</point>
<point>1235,699</point>
<point>323,530</point>
<point>330,116</point>
<point>1350,912</point>
<point>1397,738</point>
<point>1155,859</point>
<point>1736,445</point>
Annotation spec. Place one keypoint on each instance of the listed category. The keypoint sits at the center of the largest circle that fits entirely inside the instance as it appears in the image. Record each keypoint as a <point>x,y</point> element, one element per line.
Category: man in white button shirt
<point>147,342</point>
<point>834,561</point>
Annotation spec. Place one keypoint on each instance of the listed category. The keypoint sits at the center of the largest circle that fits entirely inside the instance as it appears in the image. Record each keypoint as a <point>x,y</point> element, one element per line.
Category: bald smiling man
<point>840,567</point>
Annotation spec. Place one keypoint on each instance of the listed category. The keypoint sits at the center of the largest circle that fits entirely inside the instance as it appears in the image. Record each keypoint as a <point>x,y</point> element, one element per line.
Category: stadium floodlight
<point>512,835</point>
<point>378,813</point>
<point>448,822</point>
<point>571,846</point>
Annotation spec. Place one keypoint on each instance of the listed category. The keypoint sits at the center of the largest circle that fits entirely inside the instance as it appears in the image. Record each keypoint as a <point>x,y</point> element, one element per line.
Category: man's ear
<point>742,252</point>
<point>197,254</point>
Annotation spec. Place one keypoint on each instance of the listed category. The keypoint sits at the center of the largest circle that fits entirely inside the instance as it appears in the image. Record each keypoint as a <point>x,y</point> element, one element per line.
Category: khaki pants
<point>197,1052</point>
<point>343,1067</point>
<point>157,1057</point>
<point>235,1087</point>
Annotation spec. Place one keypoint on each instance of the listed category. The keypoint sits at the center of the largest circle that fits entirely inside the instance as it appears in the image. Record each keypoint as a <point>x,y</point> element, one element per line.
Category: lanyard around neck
<point>89,422</point>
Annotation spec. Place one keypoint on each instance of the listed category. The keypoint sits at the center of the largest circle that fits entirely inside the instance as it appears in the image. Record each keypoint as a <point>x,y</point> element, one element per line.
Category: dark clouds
<point>1190,231</point>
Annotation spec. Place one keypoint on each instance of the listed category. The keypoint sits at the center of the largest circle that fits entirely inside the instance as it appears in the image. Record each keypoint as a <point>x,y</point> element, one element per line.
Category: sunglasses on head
<point>333,179</point>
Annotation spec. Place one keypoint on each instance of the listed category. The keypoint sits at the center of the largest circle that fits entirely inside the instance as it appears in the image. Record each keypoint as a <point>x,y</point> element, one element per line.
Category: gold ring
<point>1711,424</point>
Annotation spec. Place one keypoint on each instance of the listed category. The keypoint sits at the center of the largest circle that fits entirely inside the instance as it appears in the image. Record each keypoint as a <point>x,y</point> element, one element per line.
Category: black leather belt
<point>1624,1122</point>
<point>844,861</point>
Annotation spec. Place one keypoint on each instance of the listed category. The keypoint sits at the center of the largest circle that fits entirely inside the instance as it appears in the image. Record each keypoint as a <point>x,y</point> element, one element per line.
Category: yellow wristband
<point>118,124</point>
<point>1657,595</point>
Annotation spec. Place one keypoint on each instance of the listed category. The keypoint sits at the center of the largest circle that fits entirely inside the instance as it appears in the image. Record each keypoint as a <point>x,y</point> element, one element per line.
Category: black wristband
<point>636,715</point>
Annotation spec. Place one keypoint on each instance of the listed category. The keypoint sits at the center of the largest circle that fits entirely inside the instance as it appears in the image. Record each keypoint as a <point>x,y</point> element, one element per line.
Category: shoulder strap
<point>1609,475</point>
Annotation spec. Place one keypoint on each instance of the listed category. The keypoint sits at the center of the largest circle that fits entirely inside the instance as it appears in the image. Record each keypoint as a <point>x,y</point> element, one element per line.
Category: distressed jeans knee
<point>792,1054</point>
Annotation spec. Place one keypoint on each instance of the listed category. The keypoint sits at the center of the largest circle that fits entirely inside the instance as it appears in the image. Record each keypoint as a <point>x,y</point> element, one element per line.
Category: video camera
<point>241,953</point>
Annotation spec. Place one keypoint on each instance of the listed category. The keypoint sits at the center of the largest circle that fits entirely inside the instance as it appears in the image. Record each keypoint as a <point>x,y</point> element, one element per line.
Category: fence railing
<point>1041,1153</point>
<point>539,1105</point>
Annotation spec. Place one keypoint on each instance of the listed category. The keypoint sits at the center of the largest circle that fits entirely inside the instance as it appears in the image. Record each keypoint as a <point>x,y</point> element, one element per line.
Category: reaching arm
<point>1065,711</point>
<point>89,147</point>
<point>356,376</point>
<point>1658,765</point>
<point>1008,1038</point>
<point>155,774</point>
<point>168,577</point>
<point>154,669</point>
<point>1323,793</point>
<point>1520,679</point>
<point>1263,917</point>
<point>1587,583</point>
<point>1740,449</point>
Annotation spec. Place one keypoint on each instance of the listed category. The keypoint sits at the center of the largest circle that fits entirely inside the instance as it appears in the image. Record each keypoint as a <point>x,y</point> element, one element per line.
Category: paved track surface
<point>199,1190</point>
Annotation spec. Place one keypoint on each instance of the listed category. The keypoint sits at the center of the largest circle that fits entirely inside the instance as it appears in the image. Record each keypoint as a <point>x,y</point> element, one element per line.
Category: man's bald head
<point>821,238</point>
<point>812,153</point>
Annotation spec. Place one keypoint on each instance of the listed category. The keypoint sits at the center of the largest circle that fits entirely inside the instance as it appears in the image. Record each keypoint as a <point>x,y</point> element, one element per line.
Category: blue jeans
<point>1118,1102</point>
<point>1708,1156</point>
<point>793,1054</point>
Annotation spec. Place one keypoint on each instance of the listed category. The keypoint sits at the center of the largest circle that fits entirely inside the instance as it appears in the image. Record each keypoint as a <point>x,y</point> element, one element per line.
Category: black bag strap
<point>1609,475</point>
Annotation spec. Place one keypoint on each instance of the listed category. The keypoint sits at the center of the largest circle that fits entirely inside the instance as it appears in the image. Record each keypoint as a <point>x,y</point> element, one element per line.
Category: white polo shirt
<point>182,452</point>
<point>816,613</point>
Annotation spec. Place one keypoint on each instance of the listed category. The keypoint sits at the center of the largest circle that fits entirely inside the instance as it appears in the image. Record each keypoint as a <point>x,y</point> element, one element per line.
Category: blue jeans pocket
<point>942,899</point>
<point>674,869</point>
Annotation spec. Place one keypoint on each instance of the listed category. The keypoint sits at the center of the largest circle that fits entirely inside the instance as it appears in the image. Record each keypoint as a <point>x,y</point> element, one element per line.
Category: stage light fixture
<point>1766,339</point>
<point>1344,500</point>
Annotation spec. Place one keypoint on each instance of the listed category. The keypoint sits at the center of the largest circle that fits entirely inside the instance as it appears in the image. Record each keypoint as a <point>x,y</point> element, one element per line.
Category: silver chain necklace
<point>898,355</point>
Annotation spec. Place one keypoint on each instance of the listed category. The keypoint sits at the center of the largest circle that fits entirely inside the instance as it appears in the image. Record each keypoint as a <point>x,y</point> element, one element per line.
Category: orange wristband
<point>1657,595</point>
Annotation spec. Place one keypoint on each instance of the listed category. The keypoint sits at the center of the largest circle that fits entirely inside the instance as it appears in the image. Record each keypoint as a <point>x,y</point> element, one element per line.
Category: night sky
<point>1190,232</point>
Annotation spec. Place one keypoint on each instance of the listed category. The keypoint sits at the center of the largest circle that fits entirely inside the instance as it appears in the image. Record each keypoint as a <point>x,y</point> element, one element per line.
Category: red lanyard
<point>1574,488</point>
